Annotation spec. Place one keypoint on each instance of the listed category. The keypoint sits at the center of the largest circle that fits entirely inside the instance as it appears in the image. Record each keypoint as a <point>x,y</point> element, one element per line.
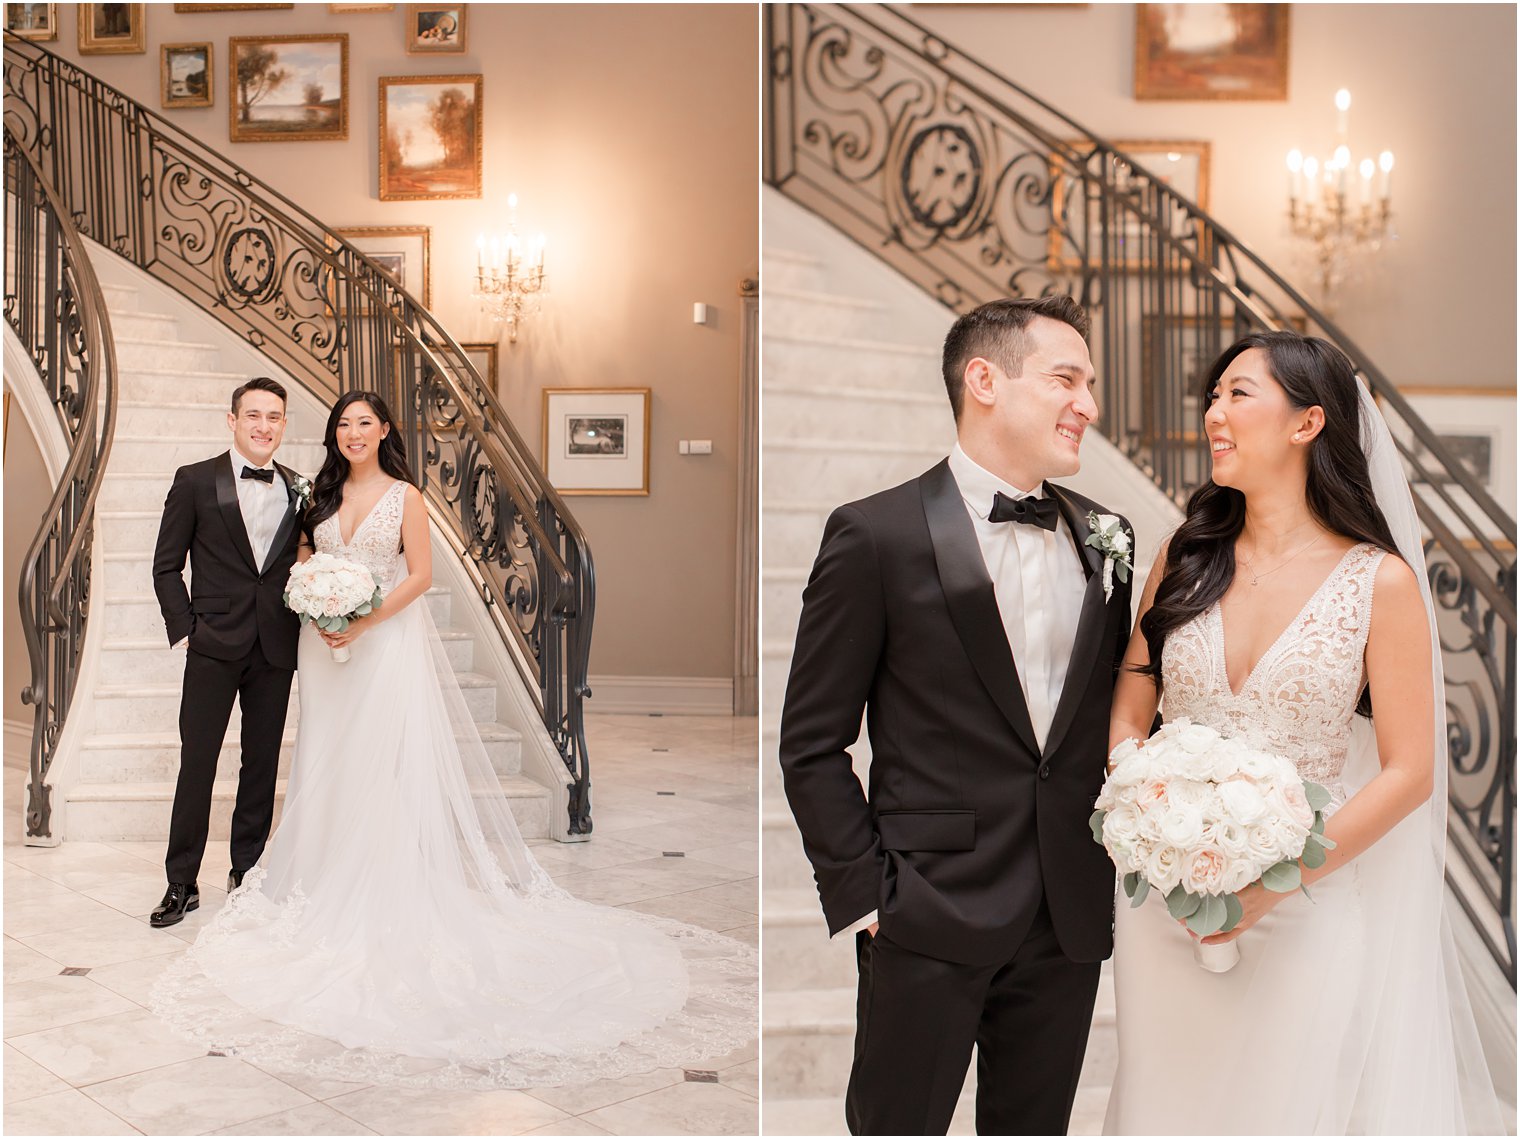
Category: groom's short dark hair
<point>258,384</point>
<point>996,331</point>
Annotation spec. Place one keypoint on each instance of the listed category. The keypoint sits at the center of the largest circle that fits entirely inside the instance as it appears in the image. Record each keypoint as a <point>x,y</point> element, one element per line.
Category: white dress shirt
<point>262,503</point>
<point>1038,581</point>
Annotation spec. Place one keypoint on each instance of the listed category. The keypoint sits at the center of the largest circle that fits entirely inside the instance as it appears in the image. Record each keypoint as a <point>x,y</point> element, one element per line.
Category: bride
<point>1284,609</point>
<point>398,929</point>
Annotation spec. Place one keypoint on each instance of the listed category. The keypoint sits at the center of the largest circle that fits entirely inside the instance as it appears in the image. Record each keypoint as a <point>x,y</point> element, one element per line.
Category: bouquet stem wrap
<point>331,592</point>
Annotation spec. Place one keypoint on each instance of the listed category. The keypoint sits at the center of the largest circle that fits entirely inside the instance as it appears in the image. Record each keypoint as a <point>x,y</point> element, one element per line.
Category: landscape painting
<point>288,88</point>
<point>185,75</point>
<point>430,141</point>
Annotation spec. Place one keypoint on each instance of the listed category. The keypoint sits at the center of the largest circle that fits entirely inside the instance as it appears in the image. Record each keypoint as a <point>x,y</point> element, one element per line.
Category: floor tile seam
<point>73,1023</point>
<point>125,1122</point>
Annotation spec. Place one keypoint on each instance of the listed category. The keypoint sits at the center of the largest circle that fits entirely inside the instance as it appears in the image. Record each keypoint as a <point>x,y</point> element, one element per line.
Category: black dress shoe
<point>234,880</point>
<point>179,899</point>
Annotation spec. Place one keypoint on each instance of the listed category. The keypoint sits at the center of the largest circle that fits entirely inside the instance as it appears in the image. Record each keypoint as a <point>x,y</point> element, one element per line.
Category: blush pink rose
<point>1152,794</point>
<point>330,607</point>
<point>1203,871</point>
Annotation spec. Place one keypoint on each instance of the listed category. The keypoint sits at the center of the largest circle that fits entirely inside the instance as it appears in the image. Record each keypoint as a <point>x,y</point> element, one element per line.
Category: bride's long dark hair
<point>1200,558</point>
<point>327,490</point>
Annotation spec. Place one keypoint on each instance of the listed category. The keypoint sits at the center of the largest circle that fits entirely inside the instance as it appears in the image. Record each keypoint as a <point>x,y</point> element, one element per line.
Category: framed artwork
<point>596,440</point>
<point>484,357</point>
<point>1477,427</point>
<point>287,88</point>
<point>229,7</point>
<point>430,137</point>
<point>434,29</point>
<point>401,251</point>
<point>1183,166</point>
<point>1211,51</point>
<point>113,29</point>
<point>343,9</point>
<point>32,21</point>
<point>185,75</point>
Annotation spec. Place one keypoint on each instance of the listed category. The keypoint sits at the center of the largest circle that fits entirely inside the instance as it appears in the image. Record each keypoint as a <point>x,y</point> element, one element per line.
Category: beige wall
<point>1434,83</point>
<point>629,134</point>
<point>27,491</point>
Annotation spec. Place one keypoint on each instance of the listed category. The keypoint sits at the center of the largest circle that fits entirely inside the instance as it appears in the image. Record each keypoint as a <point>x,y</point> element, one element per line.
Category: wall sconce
<point>509,274</point>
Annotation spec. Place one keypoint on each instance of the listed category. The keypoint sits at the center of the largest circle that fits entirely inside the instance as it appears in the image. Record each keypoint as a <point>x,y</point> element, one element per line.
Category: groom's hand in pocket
<point>872,928</point>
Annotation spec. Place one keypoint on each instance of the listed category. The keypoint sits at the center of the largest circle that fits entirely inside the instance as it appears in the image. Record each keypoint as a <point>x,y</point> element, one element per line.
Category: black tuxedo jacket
<point>231,601</point>
<point>966,821</point>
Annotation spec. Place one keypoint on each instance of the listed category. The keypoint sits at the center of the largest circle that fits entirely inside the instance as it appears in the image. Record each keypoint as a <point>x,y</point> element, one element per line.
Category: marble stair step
<point>792,530</point>
<point>794,358</point>
<point>120,298</point>
<point>781,602</point>
<point>864,414</point>
<point>154,757</point>
<point>849,469</point>
<point>792,269</point>
<point>133,325</point>
<point>139,812</point>
<point>783,863</point>
<point>134,353</point>
<point>147,381</point>
<point>122,709</point>
<point>153,661</point>
<point>134,615</point>
<point>207,418</point>
<point>797,951</point>
<point>818,311</point>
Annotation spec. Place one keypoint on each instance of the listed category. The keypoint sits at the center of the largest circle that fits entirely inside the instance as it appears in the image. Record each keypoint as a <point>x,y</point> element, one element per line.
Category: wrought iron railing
<point>311,302</point>
<point>54,305</point>
<point>973,188</point>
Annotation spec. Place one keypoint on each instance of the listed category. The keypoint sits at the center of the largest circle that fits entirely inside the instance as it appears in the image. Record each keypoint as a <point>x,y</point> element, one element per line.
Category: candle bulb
<point>480,252</point>
<point>1385,163</point>
<point>1342,112</point>
<point>1295,174</point>
<point>1311,180</point>
<point>1366,169</point>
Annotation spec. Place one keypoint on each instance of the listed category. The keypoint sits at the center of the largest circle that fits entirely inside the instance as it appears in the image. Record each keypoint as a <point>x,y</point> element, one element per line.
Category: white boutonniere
<point>1108,537</point>
<point>302,487</point>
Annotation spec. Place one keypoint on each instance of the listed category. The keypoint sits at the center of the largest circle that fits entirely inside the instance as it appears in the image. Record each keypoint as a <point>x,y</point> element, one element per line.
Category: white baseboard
<point>666,695</point>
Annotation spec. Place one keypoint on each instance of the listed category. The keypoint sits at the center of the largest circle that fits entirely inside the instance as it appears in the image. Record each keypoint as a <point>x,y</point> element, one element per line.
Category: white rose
<point>1121,828</point>
<point>1238,874</point>
<point>1289,837</point>
<point>330,607</point>
<point>1261,846</point>
<point>1287,801</point>
<point>1163,868</point>
<point>1189,793</point>
<point>1182,826</point>
<point>1197,739</point>
<point>1242,802</point>
<point>1229,836</point>
<point>1258,765</point>
<point>1129,771</point>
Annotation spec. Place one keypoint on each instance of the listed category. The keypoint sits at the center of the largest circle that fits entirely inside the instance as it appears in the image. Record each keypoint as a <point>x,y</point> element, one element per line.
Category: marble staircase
<point>172,410</point>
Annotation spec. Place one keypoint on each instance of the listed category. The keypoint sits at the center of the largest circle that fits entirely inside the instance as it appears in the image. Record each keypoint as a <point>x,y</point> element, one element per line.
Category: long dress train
<point>398,929</point>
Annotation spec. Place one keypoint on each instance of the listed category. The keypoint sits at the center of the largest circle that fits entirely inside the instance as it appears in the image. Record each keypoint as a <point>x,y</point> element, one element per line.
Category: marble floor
<point>676,834</point>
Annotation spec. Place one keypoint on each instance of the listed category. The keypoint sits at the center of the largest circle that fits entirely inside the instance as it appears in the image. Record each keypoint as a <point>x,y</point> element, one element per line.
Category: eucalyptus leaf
<point>1318,797</point>
<point>1305,889</point>
<point>1180,904</point>
<point>1283,878</point>
<point>1327,843</point>
<point>1130,881</point>
<point>1319,824</point>
<point>1096,822</point>
<point>1122,571</point>
<point>1141,891</point>
<point>1209,917</point>
<point>1095,540</point>
<point>1234,911</point>
<point>1314,854</point>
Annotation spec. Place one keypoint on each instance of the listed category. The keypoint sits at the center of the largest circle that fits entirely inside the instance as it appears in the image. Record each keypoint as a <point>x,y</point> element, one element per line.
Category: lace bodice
<point>1300,698</point>
<point>376,541</point>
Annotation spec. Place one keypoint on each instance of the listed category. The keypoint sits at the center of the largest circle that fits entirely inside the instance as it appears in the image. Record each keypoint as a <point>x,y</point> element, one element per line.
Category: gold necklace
<point>1256,577</point>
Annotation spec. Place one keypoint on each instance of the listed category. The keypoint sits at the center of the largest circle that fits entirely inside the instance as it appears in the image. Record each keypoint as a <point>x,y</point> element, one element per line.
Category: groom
<point>236,516</point>
<point>965,615</point>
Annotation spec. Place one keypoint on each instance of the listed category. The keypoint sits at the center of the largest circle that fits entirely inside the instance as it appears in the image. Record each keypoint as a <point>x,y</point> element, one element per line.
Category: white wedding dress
<point>1315,1030</point>
<point>398,929</point>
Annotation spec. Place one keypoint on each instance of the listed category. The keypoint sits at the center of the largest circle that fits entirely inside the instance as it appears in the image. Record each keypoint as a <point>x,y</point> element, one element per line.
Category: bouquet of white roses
<point>331,592</point>
<point>1200,817</point>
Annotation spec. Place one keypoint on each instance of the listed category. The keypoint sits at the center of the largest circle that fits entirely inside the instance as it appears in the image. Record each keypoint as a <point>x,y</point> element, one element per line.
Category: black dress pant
<point>917,1018</point>
<point>263,691</point>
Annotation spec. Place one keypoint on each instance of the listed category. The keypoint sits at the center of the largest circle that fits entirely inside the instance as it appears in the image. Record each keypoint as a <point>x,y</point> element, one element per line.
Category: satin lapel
<point>1090,623</point>
<point>232,513</point>
<point>282,535</point>
<point>970,599</point>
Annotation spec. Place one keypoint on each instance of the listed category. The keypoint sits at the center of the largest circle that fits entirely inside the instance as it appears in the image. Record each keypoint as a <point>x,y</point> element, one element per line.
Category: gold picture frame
<point>191,88</point>
<point>230,7</point>
<point>347,9</point>
<point>408,109</point>
<point>1211,52</point>
<point>320,59</point>
<point>1190,179</point>
<point>490,356</point>
<point>32,21</point>
<point>596,440</point>
<point>113,29</point>
<point>435,29</point>
<point>403,252</point>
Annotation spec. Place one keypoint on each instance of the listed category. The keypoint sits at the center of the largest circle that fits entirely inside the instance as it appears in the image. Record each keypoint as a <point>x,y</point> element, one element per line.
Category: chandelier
<point>509,275</point>
<point>1338,214</point>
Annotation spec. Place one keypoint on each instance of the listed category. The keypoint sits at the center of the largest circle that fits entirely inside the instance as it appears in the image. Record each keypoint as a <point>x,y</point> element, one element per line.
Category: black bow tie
<point>1041,512</point>
<point>266,474</point>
